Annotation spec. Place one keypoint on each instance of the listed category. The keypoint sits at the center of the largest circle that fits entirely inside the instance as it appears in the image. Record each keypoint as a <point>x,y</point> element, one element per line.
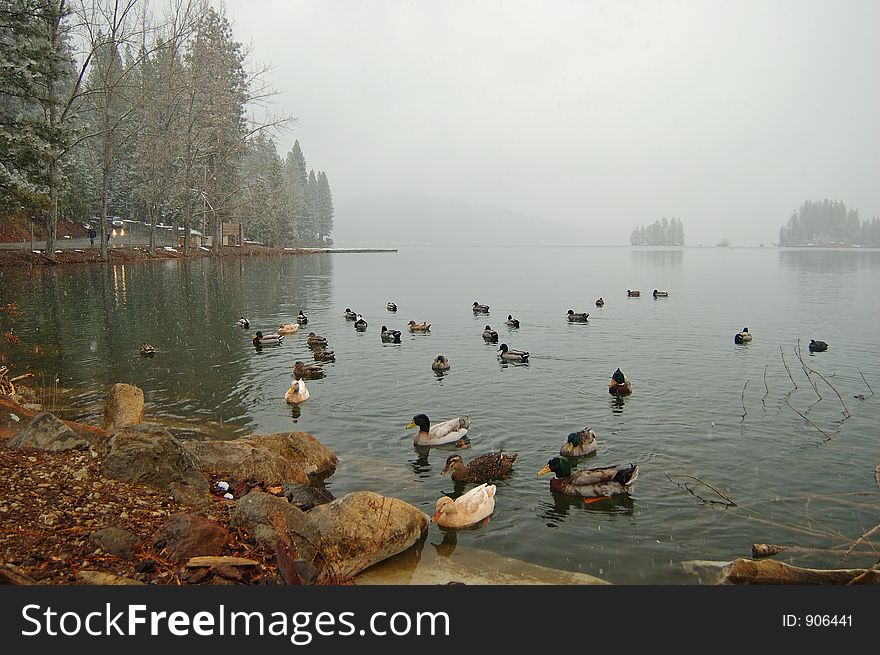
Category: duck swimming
<point>307,371</point>
<point>349,315</point>
<point>419,327</point>
<point>440,363</point>
<point>590,483</point>
<point>480,309</point>
<point>391,307</point>
<point>512,322</point>
<point>580,443</point>
<point>600,302</point>
<point>260,339</point>
<point>297,393</point>
<point>468,509</point>
<point>490,335</point>
<point>323,355</point>
<point>620,384</point>
<point>301,318</point>
<point>661,294</point>
<point>390,336</point>
<point>314,340</point>
<point>288,328</point>
<point>818,346</point>
<point>742,337</point>
<point>577,317</point>
<point>440,433</point>
<point>243,322</point>
<point>485,468</point>
<point>633,294</point>
<point>360,324</point>
<point>513,355</point>
<point>146,350</point>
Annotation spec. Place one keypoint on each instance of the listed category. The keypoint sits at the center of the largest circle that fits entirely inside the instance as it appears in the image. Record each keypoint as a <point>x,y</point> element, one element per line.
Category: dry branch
<point>864,536</point>
<point>787,370</point>
<point>766,388</point>
<point>743,401</point>
<point>827,436</point>
<point>866,382</point>
<point>768,550</point>
<point>833,388</point>
<point>704,483</point>
<point>746,571</point>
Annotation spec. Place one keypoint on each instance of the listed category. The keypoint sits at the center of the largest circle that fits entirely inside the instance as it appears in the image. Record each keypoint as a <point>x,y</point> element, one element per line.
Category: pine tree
<point>325,207</point>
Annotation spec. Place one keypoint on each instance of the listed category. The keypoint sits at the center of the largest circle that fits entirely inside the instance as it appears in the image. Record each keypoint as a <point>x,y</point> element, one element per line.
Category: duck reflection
<point>617,404</point>
<point>557,512</point>
<point>447,545</point>
<point>421,465</point>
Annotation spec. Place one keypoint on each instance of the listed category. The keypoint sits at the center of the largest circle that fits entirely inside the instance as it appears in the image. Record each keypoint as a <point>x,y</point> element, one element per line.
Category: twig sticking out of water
<point>743,401</point>
<point>827,436</point>
<point>768,550</point>
<point>877,475</point>
<point>787,370</point>
<point>864,536</point>
<point>797,353</point>
<point>718,491</point>
<point>766,388</point>
<point>845,408</point>
<point>866,382</point>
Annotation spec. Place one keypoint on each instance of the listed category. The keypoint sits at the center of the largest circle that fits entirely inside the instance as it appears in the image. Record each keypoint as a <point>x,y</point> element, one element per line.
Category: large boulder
<point>271,459</point>
<point>46,432</point>
<point>363,528</point>
<point>272,518</point>
<point>184,536</point>
<point>115,541</point>
<point>147,454</point>
<point>123,407</point>
<point>306,497</point>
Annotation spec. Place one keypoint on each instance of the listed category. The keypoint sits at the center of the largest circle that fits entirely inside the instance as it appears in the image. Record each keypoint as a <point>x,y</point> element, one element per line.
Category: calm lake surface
<point>791,483</point>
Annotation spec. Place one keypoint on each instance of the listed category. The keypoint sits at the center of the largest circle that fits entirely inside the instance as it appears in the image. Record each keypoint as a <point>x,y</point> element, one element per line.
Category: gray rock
<point>115,541</point>
<point>46,432</point>
<point>147,454</point>
<point>364,528</point>
<point>270,518</point>
<point>188,535</point>
<point>270,459</point>
<point>123,407</point>
<point>306,497</point>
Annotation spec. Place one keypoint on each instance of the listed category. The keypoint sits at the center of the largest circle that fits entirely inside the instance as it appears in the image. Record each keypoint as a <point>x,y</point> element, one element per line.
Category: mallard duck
<point>146,350</point>
<point>480,309</point>
<point>512,322</point>
<point>818,346</point>
<point>360,324</point>
<point>620,384</point>
<point>468,509</point>
<point>349,315</point>
<point>580,443</point>
<point>600,302</point>
<point>307,371</point>
<point>297,393</point>
<point>742,337</point>
<point>260,339</point>
<point>633,294</point>
<point>301,318</point>
<point>440,433</point>
<point>391,307</point>
<point>513,355</point>
<point>491,466</point>
<point>440,363</point>
<point>390,336</point>
<point>490,335</point>
<point>577,317</point>
<point>419,327</point>
<point>323,355</point>
<point>243,322</point>
<point>590,483</point>
<point>661,294</point>
<point>288,328</point>
<point>315,340</point>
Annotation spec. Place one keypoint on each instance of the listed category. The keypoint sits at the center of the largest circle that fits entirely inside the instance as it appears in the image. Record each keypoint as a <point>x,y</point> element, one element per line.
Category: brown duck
<point>491,466</point>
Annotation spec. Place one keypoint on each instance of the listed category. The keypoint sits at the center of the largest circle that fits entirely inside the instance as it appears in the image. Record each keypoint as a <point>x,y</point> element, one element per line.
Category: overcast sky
<point>597,116</point>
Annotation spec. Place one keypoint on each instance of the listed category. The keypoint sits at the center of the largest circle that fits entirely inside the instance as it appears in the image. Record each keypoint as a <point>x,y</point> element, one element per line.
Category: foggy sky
<point>597,116</point>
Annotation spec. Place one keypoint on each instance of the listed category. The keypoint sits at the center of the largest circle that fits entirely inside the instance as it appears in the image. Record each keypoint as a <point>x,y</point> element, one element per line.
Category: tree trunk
<point>104,240</point>
<point>52,216</point>
<point>217,233</point>
<point>151,217</point>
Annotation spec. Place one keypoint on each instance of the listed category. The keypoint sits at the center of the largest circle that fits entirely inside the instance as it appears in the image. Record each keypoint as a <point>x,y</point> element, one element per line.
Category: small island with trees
<point>829,223</point>
<point>665,232</point>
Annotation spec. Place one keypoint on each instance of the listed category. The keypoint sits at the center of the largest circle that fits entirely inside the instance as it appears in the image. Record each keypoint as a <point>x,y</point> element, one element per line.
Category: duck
<point>440,363</point>
<point>818,346</point>
<point>349,315</point>
<point>301,318</point>
<point>661,294</point>
<point>449,431</point>
<point>577,317</point>
<point>360,324</point>
<point>288,328</point>
<point>513,355</point>
<point>590,483</point>
<point>297,393</point>
<point>243,322</point>
<point>323,355</point>
<point>600,302</point>
<point>633,294</point>
<point>490,335</point>
<point>390,336</point>
<point>742,337</point>
<point>315,340</point>
<point>392,307</point>
<point>620,384</point>
<point>260,339</point>
<point>307,371</point>
<point>580,443</point>
<point>512,322</point>
<point>419,327</point>
<point>491,466</point>
<point>146,350</point>
<point>466,510</point>
<point>480,309</point>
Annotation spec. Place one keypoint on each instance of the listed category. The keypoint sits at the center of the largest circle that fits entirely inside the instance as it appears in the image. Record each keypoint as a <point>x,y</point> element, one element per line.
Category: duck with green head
<point>490,335</point>
<point>590,483</point>
<point>619,384</point>
<point>509,355</point>
<point>449,431</point>
<point>260,339</point>
<point>580,443</point>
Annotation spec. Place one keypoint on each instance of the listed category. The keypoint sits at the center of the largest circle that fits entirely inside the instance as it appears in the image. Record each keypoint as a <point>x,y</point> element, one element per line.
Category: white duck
<point>297,393</point>
<point>467,509</point>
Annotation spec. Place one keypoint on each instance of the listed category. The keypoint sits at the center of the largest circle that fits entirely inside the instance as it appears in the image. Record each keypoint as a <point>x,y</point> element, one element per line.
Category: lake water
<point>791,483</point>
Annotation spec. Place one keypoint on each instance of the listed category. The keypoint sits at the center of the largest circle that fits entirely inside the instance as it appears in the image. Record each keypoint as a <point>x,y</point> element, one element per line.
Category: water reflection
<point>447,545</point>
<point>617,404</point>
<point>829,261</point>
<point>670,258</point>
<point>562,505</point>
